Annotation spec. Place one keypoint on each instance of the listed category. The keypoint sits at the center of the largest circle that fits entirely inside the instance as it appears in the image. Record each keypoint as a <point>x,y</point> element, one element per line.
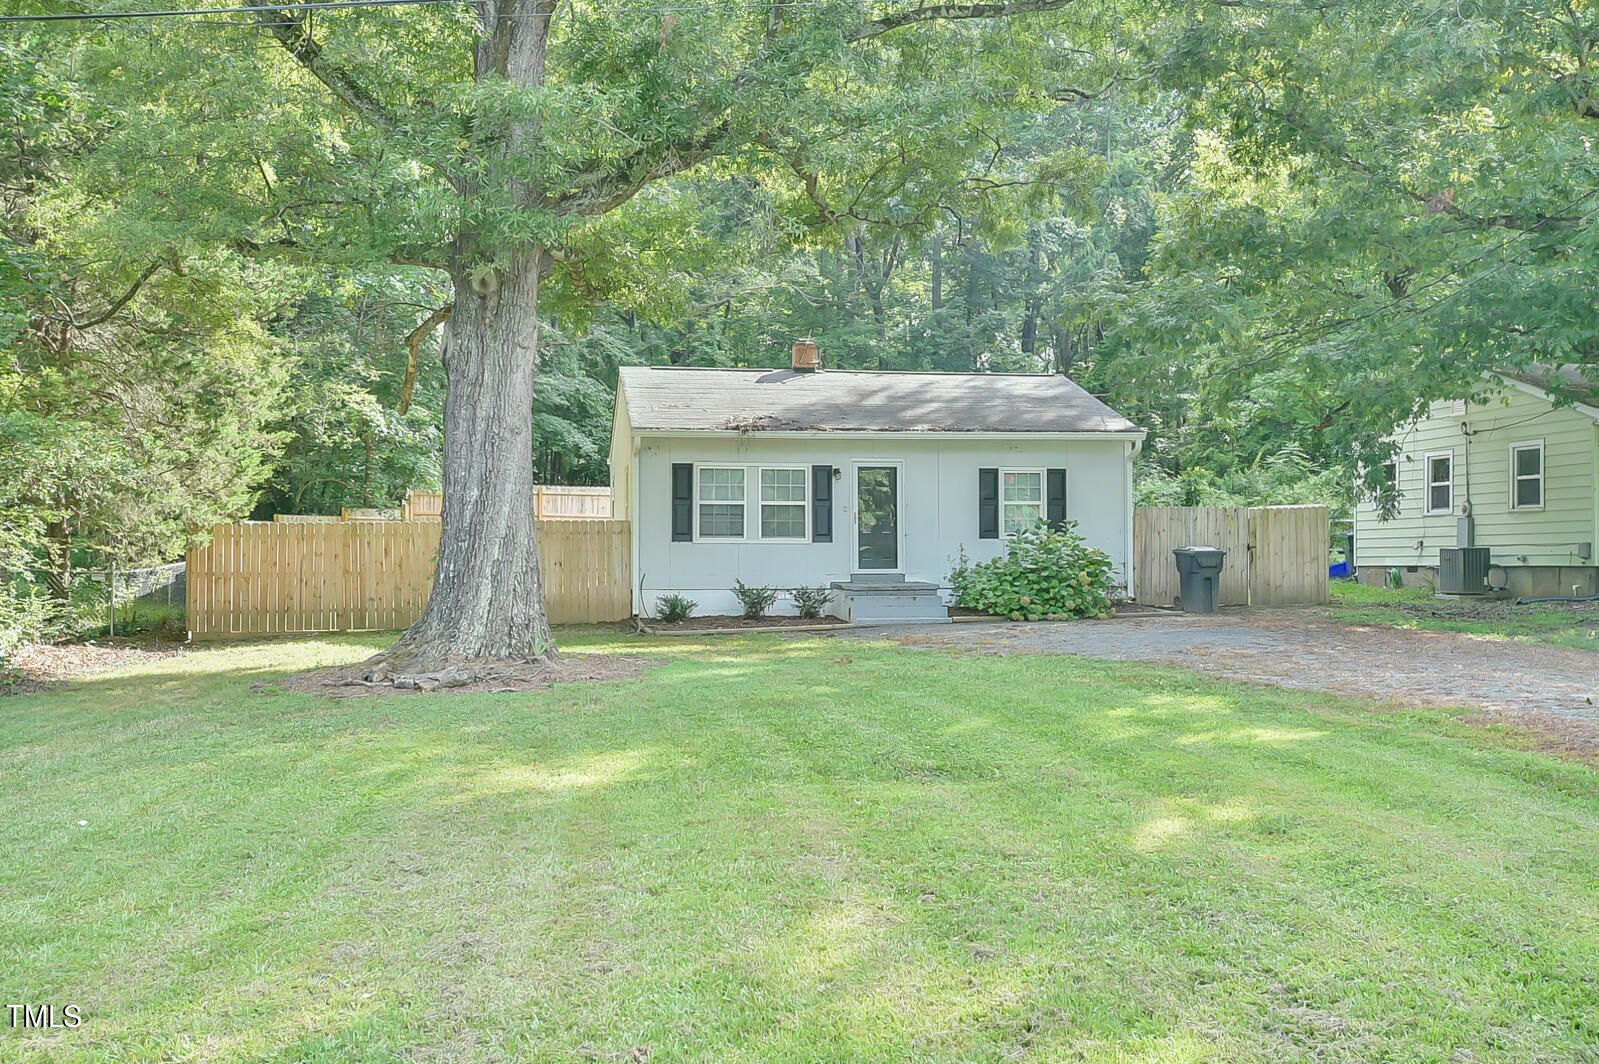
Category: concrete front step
<point>898,602</point>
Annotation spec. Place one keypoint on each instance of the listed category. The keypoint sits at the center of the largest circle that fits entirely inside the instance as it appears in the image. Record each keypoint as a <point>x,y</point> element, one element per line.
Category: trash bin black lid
<point>1196,550</point>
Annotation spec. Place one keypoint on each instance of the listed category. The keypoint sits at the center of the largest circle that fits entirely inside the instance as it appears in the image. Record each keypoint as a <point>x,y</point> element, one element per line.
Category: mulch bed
<point>716,623</point>
<point>344,681</point>
<point>40,668</point>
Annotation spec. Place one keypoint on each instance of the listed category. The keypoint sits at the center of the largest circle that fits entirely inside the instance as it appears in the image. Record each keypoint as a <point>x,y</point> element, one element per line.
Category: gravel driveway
<point>1550,689</point>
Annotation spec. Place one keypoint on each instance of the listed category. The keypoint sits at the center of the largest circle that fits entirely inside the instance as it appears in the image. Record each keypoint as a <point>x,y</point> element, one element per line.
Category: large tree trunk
<point>488,600</point>
<point>487,605</point>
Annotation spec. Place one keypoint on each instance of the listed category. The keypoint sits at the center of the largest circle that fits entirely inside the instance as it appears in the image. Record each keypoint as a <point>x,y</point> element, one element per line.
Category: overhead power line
<point>318,5</point>
<point>324,5</point>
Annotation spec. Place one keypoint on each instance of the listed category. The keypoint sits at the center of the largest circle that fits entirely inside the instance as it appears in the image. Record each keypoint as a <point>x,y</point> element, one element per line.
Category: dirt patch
<point>39,668</point>
<point>344,681</point>
<point>1485,610</point>
<point>724,623</point>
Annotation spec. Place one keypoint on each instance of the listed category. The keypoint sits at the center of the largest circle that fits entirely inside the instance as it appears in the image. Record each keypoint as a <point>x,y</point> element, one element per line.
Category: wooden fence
<point>1276,555</point>
<point>550,501</point>
<point>268,578</point>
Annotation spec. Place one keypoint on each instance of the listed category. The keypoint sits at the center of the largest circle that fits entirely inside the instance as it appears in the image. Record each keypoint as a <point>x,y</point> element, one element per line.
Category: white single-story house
<point>1514,470</point>
<point>871,482</point>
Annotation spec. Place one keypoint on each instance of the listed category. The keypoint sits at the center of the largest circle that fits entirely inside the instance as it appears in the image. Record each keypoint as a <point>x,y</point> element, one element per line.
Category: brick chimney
<point>807,359</point>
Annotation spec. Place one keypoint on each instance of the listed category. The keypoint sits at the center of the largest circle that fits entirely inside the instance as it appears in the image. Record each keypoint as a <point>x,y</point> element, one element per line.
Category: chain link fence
<point>43,604</point>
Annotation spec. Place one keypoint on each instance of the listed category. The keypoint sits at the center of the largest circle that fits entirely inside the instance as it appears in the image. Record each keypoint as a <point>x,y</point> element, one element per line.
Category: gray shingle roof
<point>675,398</point>
<point>1577,383</point>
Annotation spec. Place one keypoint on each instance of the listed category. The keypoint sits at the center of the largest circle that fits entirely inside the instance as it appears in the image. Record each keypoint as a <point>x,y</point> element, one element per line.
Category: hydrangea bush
<point>1045,574</point>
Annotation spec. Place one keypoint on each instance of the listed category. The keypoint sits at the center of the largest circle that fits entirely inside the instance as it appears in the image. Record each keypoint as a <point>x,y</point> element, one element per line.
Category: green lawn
<point>778,849</point>
<point>1560,624</point>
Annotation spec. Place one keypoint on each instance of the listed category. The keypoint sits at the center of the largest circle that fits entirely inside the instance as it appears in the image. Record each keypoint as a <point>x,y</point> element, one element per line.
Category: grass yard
<point>786,850</point>
<point>1556,624</point>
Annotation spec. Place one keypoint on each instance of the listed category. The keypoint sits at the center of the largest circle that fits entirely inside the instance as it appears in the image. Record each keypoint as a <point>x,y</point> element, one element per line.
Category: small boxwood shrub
<point>674,608</point>
<point>755,600</point>
<point>811,601</point>
<point>1045,574</point>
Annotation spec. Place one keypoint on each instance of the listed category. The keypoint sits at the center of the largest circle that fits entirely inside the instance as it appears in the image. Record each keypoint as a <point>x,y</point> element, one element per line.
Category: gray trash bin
<point>1199,573</point>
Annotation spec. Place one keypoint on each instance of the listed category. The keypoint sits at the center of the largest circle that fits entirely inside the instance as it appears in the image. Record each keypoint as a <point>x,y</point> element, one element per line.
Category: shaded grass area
<point>775,849</point>
<point>1556,624</point>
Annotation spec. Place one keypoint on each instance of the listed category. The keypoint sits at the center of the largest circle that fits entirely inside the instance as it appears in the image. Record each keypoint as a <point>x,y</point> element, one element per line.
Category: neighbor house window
<point>1021,498</point>
<point>783,503</point>
<point>1526,475</point>
<point>1440,469</point>
<point>721,502</point>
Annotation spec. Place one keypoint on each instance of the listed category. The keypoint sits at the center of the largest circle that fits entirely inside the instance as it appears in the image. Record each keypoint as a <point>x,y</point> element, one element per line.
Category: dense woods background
<point>1268,232</point>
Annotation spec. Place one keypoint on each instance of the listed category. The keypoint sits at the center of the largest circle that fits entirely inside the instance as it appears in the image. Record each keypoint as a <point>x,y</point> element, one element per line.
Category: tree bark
<point>488,598</point>
<point>413,353</point>
<point>59,547</point>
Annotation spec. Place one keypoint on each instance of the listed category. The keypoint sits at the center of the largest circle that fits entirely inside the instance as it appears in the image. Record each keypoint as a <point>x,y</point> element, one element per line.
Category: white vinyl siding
<point>938,507</point>
<point>1021,495</point>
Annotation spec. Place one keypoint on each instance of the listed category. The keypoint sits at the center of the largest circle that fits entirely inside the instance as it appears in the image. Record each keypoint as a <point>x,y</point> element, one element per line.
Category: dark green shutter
<point>1055,498</point>
<point>988,504</point>
<point>682,501</point>
<point>821,504</point>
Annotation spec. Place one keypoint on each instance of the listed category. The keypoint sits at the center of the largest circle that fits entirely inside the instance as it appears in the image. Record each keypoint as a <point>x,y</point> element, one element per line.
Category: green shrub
<point>24,614</point>
<point>674,608</point>
<point>1045,573</point>
<point>755,600</point>
<point>811,601</point>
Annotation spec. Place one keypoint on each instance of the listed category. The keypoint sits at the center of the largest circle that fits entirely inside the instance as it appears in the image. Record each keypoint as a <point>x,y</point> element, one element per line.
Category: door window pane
<point>877,511</point>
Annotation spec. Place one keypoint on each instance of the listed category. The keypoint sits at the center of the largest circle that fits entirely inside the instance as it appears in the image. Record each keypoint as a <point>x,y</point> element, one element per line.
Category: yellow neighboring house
<point>1516,473</point>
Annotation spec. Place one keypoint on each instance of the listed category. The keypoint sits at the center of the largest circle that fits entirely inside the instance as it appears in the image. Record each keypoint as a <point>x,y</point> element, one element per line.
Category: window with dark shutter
<point>1055,498</point>
<point>988,504</point>
<point>682,502</point>
<point>822,504</point>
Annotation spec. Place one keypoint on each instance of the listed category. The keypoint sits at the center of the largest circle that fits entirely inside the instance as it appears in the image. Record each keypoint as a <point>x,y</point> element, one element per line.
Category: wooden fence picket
<point>274,577</point>
<point>1276,555</point>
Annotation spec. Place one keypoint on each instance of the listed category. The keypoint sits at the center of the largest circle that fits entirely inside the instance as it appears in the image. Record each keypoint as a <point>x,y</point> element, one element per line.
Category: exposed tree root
<point>382,678</point>
<point>380,673</point>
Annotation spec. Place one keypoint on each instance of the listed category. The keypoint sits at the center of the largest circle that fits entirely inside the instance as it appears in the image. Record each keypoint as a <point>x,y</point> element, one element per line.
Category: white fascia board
<point>1537,392</point>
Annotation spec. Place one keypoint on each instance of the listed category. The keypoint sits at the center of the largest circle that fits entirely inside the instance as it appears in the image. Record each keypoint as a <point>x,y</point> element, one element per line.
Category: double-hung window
<point>1440,470</point>
<point>783,503</point>
<point>721,502</point>
<point>1021,496</point>
<point>1526,475</point>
